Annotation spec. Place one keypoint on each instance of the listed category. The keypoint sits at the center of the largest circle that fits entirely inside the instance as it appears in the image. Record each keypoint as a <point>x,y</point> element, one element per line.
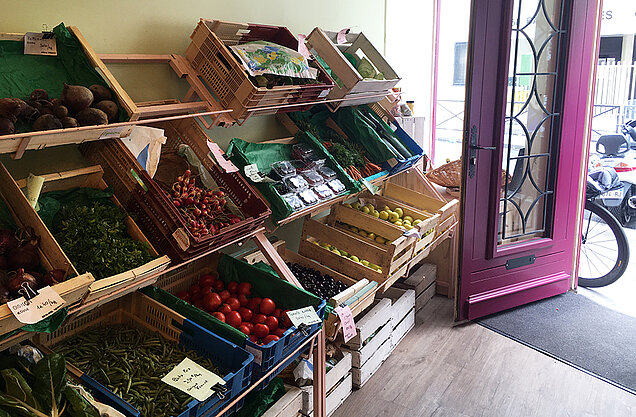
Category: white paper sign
<point>306,315</point>
<point>219,157</point>
<point>346,320</point>
<point>35,44</point>
<point>258,354</point>
<point>37,308</point>
<point>252,172</point>
<point>193,379</point>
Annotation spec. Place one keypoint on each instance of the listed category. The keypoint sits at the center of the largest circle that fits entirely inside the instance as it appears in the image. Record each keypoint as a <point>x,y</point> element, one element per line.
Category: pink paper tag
<point>346,319</point>
<point>219,156</point>
<point>302,48</point>
<point>342,36</point>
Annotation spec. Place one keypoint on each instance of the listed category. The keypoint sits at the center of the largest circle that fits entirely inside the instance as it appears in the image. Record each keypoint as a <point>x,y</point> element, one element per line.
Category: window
<point>459,72</point>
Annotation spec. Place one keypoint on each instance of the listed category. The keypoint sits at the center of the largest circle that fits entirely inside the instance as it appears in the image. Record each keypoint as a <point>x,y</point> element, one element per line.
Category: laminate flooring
<point>467,370</point>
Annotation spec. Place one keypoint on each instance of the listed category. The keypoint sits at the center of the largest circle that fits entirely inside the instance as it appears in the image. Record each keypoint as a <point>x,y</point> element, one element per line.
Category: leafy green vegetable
<point>366,69</point>
<point>50,379</point>
<point>77,405</point>
<point>96,240</point>
<point>17,387</point>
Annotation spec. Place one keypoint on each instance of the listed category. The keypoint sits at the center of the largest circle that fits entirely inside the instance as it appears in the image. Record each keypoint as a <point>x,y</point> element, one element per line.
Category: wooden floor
<point>439,370</point>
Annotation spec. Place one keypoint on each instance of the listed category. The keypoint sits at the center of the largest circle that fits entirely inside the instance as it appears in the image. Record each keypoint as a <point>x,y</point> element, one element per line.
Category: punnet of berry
<point>206,211</point>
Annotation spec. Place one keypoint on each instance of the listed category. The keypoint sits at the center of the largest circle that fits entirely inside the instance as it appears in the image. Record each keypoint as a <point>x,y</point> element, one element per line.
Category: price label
<point>252,172</point>
<point>346,319</point>
<point>258,354</point>
<point>302,48</point>
<point>193,379</point>
<point>36,44</point>
<point>182,239</point>
<point>116,132</point>
<point>373,189</point>
<point>219,157</point>
<point>306,315</point>
<point>342,36</point>
<point>37,308</point>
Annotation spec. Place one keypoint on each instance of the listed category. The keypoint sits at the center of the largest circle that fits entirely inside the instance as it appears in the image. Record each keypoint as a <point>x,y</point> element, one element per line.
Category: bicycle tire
<point>623,247</point>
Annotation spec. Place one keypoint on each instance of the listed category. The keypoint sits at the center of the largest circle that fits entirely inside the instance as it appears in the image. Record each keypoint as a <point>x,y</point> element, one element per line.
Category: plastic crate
<point>349,83</point>
<point>225,76</point>
<point>159,219</point>
<point>140,310</point>
<point>266,356</point>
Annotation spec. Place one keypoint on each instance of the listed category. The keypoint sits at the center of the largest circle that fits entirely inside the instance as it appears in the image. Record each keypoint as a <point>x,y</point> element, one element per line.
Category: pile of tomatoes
<point>259,318</point>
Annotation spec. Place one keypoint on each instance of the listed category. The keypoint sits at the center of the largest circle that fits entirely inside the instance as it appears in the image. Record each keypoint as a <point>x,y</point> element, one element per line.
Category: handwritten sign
<point>36,44</point>
<point>193,379</point>
<point>37,308</point>
<point>306,315</point>
<point>182,239</point>
<point>346,320</point>
<point>252,172</point>
<point>219,157</point>
<point>116,132</point>
<point>342,36</point>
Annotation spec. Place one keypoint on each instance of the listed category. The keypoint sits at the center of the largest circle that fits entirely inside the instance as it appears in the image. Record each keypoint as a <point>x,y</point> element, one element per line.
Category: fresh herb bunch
<point>346,155</point>
<point>96,240</point>
<point>131,361</point>
<point>40,390</point>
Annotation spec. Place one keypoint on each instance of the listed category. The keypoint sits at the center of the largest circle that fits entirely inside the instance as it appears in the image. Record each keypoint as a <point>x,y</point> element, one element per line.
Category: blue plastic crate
<point>156,317</point>
<point>410,144</point>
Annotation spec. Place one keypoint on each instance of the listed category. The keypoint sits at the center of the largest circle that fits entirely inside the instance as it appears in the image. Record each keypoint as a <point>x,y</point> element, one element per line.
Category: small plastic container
<point>327,173</point>
<point>323,191</point>
<point>281,188</point>
<point>336,185</point>
<point>293,200</point>
<point>315,161</point>
<point>296,183</point>
<point>302,151</point>
<point>282,169</point>
<point>308,197</point>
<point>313,178</point>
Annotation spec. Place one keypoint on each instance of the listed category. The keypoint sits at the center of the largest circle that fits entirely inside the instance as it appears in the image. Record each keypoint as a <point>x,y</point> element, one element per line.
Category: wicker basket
<point>447,175</point>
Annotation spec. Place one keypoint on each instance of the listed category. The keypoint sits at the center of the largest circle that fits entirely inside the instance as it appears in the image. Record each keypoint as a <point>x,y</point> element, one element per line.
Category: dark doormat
<point>575,330</point>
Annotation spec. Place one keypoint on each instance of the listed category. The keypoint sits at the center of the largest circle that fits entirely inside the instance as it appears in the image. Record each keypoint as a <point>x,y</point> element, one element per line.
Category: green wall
<point>163,27</point>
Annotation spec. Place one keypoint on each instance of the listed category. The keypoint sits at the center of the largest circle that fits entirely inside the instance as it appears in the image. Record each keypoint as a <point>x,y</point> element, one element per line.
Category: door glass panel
<point>532,119</point>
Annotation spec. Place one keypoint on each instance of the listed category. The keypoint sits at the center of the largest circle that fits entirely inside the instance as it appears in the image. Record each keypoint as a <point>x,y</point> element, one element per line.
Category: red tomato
<point>272,323</point>
<point>246,313</point>
<point>254,304</point>
<point>213,301</point>
<point>244,329</point>
<point>243,300</point>
<point>194,289</point>
<point>267,306</point>
<point>218,285</point>
<point>225,309</point>
<point>260,330</point>
<point>253,338</point>
<point>259,318</point>
<point>219,316</point>
<point>277,313</point>
<point>205,290</point>
<point>271,338</point>
<point>206,279</point>
<point>245,288</point>
<point>197,299</point>
<point>225,294</point>
<point>234,303</point>
<point>184,295</point>
<point>249,326</point>
<point>279,332</point>
<point>232,287</point>
<point>287,323</point>
<point>233,318</point>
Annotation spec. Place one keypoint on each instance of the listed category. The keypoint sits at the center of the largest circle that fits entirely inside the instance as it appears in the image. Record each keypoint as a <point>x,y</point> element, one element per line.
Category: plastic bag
<point>263,57</point>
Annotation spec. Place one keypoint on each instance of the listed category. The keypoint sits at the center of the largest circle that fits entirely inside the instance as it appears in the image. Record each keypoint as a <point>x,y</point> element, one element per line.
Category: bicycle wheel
<point>604,248</point>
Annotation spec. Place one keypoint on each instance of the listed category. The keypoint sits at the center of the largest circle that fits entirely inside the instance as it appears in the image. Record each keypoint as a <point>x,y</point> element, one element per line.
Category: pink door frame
<point>485,285</point>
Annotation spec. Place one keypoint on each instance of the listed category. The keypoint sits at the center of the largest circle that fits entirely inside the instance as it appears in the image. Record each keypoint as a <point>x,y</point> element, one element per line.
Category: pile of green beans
<point>131,362</point>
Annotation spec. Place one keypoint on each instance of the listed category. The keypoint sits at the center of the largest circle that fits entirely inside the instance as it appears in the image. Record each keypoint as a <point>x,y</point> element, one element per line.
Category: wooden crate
<point>72,290</point>
<point>402,329</point>
<point>104,289</point>
<point>209,55</point>
<point>422,281</point>
<point>373,319</point>
<point>362,375</point>
<point>289,405</point>
<point>332,322</point>
<point>338,386</point>
<point>20,142</point>
<point>317,231</point>
<point>361,355</point>
<point>349,83</point>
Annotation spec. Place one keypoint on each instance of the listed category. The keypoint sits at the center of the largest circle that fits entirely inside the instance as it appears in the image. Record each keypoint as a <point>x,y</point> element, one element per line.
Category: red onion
<point>17,279</point>
<point>8,241</point>
<point>4,295</point>
<point>54,276</point>
<point>26,256</point>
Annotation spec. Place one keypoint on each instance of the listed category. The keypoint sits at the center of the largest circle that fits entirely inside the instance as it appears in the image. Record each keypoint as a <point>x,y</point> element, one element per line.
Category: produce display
<point>323,285</point>
<point>205,210</point>
<point>20,265</point>
<point>350,156</point>
<point>40,389</point>
<point>95,238</point>
<point>130,361</point>
<point>395,216</point>
<point>234,304</point>
<point>354,258</point>
<point>78,106</point>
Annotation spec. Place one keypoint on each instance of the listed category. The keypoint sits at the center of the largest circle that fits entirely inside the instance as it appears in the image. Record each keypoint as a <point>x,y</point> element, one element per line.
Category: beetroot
<point>8,241</point>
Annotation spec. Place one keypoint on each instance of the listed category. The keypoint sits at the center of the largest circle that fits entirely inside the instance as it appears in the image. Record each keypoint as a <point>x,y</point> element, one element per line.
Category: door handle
<point>472,157</point>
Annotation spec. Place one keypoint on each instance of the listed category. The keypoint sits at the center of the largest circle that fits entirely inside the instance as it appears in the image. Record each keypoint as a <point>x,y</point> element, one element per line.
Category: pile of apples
<point>259,318</point>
